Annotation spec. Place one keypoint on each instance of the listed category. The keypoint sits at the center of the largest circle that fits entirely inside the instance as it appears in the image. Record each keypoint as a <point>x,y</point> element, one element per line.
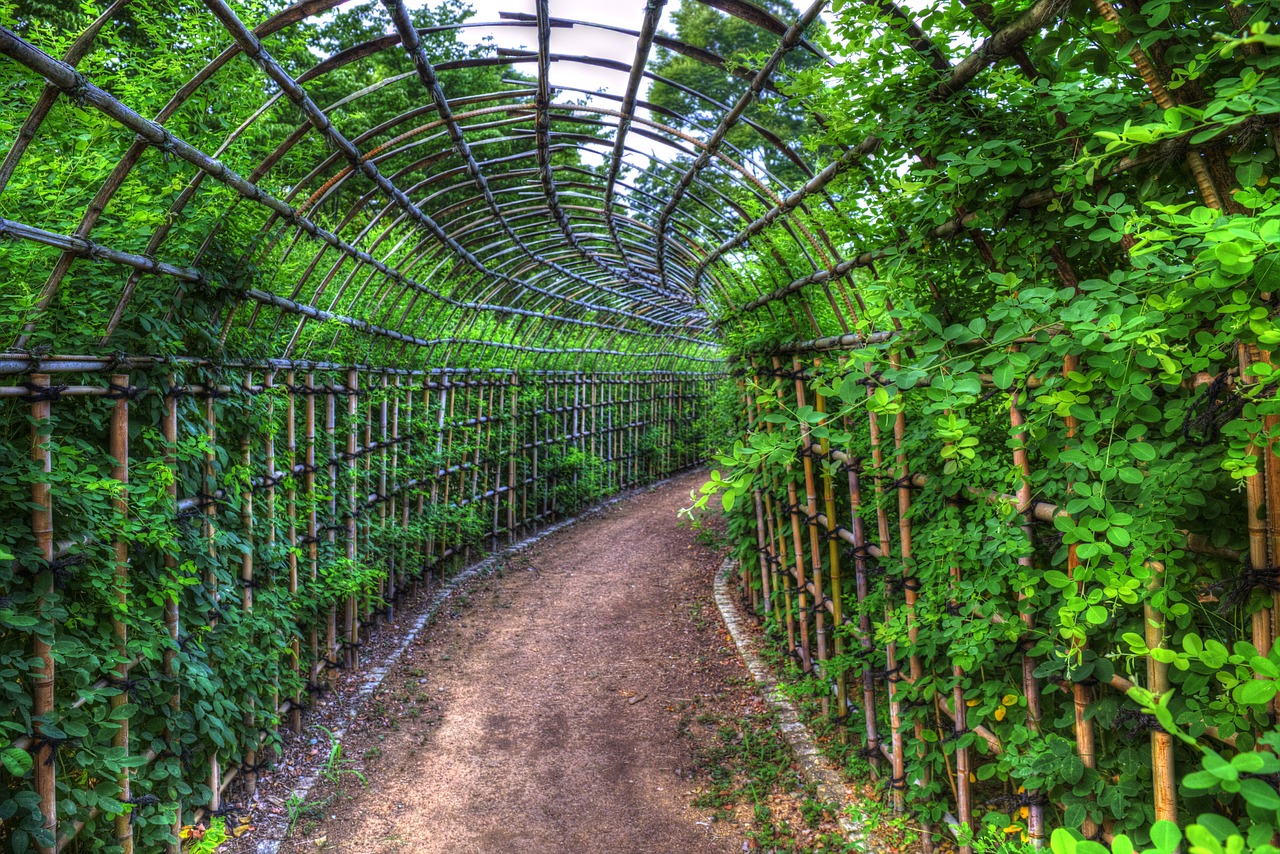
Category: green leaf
<point>123,712</point>
<point>1142,451</point>
<point>1062,841</point>
<point>1255,692</point>
<point>16,761</point>
<point>1165,836</point>
<point>1259,794</point>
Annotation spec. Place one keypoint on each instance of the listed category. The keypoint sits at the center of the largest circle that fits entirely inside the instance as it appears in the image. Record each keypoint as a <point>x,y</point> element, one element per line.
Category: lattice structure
<point>285,362</point>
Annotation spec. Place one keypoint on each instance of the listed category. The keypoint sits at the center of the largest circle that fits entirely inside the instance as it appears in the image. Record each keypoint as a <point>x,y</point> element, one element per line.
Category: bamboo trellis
<point>343,359</point>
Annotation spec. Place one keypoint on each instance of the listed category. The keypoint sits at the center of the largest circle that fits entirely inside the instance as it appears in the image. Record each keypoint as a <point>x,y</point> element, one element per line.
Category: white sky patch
<point>576,41</point>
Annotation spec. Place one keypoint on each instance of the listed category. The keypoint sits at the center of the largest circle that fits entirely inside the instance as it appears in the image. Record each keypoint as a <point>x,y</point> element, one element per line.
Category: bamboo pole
<point>330,431</point>
<point>169,429</point>
<point>898,779</point>
<point>865,641</point>
<point>1085,743</point>
<point>959,718</point>
<point>512,445</point>
<point>295,642</point>
<point>119,436</point>
<point>395,500</point>
<point>42,678</point>
<point>815,539</point>
<point>269,504</point>
<point>1255,503</point>
<point>352,614</point>
<point>1164,778</point>
<point>837,589</point>
<point>313,543</point>
<point>782,573</point>
<point>209,489</point>
<point>769,579</point>
<point>806,659</point>
<point>1030,683</point>
<point>246,581</point>
<point>909,583</point>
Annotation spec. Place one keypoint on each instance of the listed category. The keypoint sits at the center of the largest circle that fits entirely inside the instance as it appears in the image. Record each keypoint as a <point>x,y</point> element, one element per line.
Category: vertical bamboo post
<point>291,444</point>
<point>426,474</point>
<point>513,444</point>
<point>209,491</point>
<point>576,422</point>
<point>119,437</point>
<point>864,619</point>
<point>246,582</point>
<point>352,616</point>
<point>1030,683</point>
<point>448,455</point>
<point>538,426</point>
<point>331,432</point>
<point>595,403</point>
<point>1085,747</point>
<point>499,422</point>
<point>313,533</point>
<point>898,778</point>
<point>960,724</point>
<point>45,753</point>
<point>442,461</point>
<point>395,498</point>
<point>403,475</point>
<point>815,539</point>
<point>833,564</point>
<point>802,598</point>
<point>384,499</point>
<point>774,576</point>
<point>1256,488</point>
<point>269,503</point>
<point>1164,778</point>
<point>749,597</point>
<point>909,582</point>
<point>169,429</point>
<point>784,577</point>
<point>484,467</point>
<point>364,486</point>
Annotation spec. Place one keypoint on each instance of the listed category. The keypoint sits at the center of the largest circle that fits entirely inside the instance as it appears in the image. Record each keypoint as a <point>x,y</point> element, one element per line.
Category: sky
<point>580,40</point>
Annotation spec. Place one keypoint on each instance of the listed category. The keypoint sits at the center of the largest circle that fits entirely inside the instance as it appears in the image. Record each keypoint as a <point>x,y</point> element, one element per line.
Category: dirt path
<point>544,714</point>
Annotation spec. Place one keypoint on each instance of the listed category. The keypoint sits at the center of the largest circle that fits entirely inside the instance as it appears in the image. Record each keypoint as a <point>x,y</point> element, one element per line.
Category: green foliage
<point>1091,309</point>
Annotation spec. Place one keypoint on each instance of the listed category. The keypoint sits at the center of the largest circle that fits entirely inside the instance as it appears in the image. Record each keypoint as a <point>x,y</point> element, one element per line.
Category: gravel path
<point>542,714</point>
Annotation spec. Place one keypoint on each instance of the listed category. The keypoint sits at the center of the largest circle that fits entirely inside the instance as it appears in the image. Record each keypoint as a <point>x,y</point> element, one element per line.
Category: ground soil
<point>552,709</point>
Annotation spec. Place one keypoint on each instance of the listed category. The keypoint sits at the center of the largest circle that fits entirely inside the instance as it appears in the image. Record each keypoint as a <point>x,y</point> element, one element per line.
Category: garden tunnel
<point>306,303</point>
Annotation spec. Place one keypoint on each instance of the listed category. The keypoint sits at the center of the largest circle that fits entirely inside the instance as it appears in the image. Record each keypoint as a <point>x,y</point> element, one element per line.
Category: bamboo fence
<point>843,608</point>
<point>400,446</point>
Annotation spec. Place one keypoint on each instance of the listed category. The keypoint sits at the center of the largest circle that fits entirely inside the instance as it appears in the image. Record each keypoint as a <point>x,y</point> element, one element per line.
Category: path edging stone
<point>374,675</point>
<point>815,767</point>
